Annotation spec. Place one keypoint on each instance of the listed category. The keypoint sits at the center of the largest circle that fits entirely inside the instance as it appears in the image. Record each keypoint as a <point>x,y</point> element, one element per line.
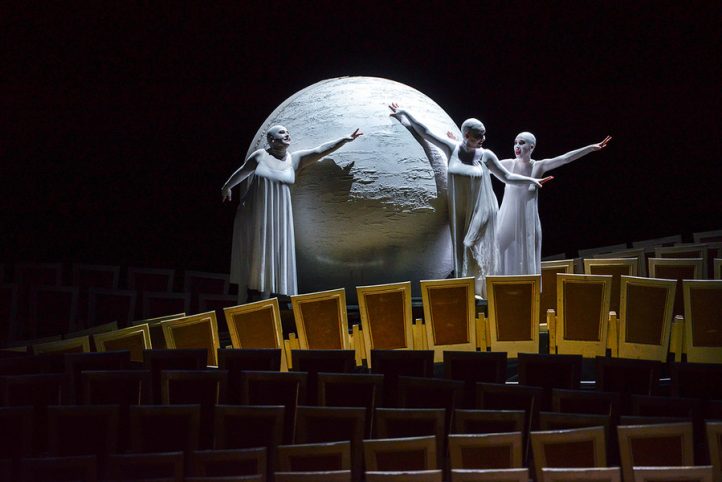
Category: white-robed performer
<point>264,246</point>
<point>518,225</point>
<point>472,204</point>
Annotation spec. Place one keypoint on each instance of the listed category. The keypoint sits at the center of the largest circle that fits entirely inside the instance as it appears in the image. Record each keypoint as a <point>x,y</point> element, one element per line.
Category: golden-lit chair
<point>645,320</point>
<point>703,320</point>
<point>486,450</point>
<point>405,476</point>
<point>321,320</point>
<point>133,338</point>
<point>589,474</point>
<point>314,457</point>
<point>513,313</point>
<point>156,331</point>
<point>386,318</point>
<point>409,453</point>
<point>616,267</point>
<point>714,445</point>
<point>677,269</point>
<point>661,445</point>
<point>635,253</point>
<point>80,344</point>
<point>699,473</point>
<point>582,322</point>
<point>314,476</point>
<point>548,298</point>
<point>195,331</point>
<point>449,315</point>
<point>571,448</point>
<point>257,325</point>
<point>490,475</point>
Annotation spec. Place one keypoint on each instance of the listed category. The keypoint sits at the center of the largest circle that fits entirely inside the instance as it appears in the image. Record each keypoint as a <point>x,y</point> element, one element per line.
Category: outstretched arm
<point>305,157</point>
<point>554,162</point>
<point>240,175</point>
<point>497,169</point>
<point>402,115</point>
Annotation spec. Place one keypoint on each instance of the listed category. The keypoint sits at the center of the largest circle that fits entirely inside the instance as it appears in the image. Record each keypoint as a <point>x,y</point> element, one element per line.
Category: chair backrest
<point>655,242</point>
<point>172,359</point>
<point>579,447</point>
<point>449,314</point>
<point>16,437</point>
<point>80,344</point>
<point>683,251</point>
<point>135,339</point>
<point>139,466</point>
<point>700,473</point>
<point>256,325</point>
<point>590,474</point>
<point>314,361</point>
<point>677,269</point>
<point>583,317</point>
<point>87,276</point>
<point>352,390</point>
<point>82,430</point>
<point>195,331</point>
<point>549,372</point>
<point>588,252</point>
<point>713,429</point>
<point>164,428</point>
<point>548,297</point>
<point>314,457</point>
<point>409,453</point>
<point>53,310</point>
<point>513,313</point>
<point>616,267</point>
<point>121,387</point>
<point>490,475</point>
<point>703,320</point>
<point>404,475</point>
<point>227,462</point>
<point>412,422</point>
<point>75,363</point>
<point>386,317</point>
<point>314,476</point>
<point>489,421</point>
<point>472,367</point>
<point>111,305</point>
<point>486,451</point>
<point>717,268</point>
<point>707,236</point>
<point>586,401</point>
<point>321,320</point>
<point>669,444</point>
<point>80,467</point>
<point>636,253</point>
<point>645,320</point>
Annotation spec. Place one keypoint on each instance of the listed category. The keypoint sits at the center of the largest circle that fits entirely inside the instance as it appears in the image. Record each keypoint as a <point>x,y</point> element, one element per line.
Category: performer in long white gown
<point>518,225</point>
<point>472,204</point>
<point>263,256</point>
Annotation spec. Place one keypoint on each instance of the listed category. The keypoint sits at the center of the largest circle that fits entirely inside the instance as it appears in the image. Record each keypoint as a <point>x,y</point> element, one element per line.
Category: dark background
<point>121,120</point>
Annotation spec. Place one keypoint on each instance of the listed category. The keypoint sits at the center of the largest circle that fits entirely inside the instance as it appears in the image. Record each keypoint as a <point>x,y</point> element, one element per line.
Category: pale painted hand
<point>451,136</point>
<point>540,182</point>
<point>354,135</point>
<point>602,144</point>
<point>226,194</point>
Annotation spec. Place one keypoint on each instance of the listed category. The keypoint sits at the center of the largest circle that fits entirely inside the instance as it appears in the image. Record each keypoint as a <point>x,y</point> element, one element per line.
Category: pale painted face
<point>522,146</point>
<point>474,138</point>
<point>278,136</point>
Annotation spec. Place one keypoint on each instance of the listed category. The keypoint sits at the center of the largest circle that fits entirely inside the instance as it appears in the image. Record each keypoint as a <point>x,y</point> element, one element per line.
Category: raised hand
<point>354,135</point>
<point>604,143</point>
<point>451,136</point>
<point>546,180</point>
<point>226,194</point>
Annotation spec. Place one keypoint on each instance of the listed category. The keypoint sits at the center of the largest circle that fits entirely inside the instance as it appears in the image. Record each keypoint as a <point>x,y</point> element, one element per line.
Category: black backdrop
<point>121,120</point>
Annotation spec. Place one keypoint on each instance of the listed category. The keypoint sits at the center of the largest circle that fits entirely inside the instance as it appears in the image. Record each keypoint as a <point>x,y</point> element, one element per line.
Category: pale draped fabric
<point>519,232</point>
<point>472,217</point>
<point>263,253</point>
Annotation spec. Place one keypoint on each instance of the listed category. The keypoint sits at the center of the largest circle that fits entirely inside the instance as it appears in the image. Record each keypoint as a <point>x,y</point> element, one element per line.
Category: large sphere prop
<point>374,211</point>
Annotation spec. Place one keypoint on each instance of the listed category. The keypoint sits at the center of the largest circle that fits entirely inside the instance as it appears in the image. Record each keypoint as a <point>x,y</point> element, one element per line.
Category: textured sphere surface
<point>375,211</point>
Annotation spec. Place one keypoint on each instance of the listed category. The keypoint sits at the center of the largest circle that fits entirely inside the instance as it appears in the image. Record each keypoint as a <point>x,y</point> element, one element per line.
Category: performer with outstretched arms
<point>518,225</point>
<point>472,203</point>
<point>264,247</point>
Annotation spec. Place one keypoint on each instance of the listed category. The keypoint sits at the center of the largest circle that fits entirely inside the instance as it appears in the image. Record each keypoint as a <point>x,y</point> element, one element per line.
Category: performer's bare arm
<point>403,115</point>
<point>554,162</point>
<point>305,157</point>
<point>241,174</point>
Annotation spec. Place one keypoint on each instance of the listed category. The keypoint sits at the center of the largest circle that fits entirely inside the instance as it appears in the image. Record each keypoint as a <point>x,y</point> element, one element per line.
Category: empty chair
<point>702,473</point>
<point>651,406</point>
<point>473,367</point>
<point>313,361</point>
<point>386,317</point>
<point>703,320</point>
<point>53,310</point>
<point>118,387</point>
<point>490,475</point>
<point>160,303</point>
<point>627,376</point>
<point>92,330</point>
<point>314,457</point>
<point>581,447</point>
<point>80,344</point>
<point>147,280</point>
<point>698,250</point>
<point>449,314</point>
<point>352,390</point>
<point>87,276</point>
<point>486,451</point>
<point>549,372</point>
<point>78,468</point>
<point>409,453</point>
<point>560,421</point>
<point>395,363</point>
<point>111,305</point>
<point>83,430</point>
<point>587,252</point>
<point>586,401</point>
<point>165,466</point>
<point>405,476</point>
<point>135,339</point>
<point>201,282</point>
<point>78,362</point>
<point>677,269</point>
<point>616,268</point>
<point>654,242</point>
<point>157,360</point>
<point>164,428</point>
<point>582,322</point>
<point>493,396</point>
<point>489,421</point>
<point>227,463</point>
<point>257,325</point>
<point>411,422</point>
<point>16,437</point>
<point>713,430</point>
<point>236,361</point>
<point>157,337</point>
<point>654,445</point>
<point>591,474</point>
<point>314,476</point>
<point>513,313</point>
<point>321,320</point>
<point>645,321</point>
<point>696,380</point>
<point>637,254</point>
<point>548,297</point>
<point>195,331</point>
<point>421,392</point>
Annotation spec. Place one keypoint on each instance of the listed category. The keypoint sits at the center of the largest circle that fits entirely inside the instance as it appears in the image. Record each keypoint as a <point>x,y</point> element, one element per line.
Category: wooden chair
<point>627,377</point>
<point>662,406</point>
<point>79,468</point>
<point>257,325</point>
<point>572,448</point>
<point>83,430</point>
<point>236,361</point>
<point>149,280</point>
<point>645,321</point>
<point>395,363</point>
<point>490,475</point>
<point>92,330</point>
<point>707,236</point>
<point>321,320</point>
<point>489,421</point>
<point>159,303</point>
<point>314,457</point>
<point>655,445</point>
<point>492,396</point>
<point>111,305</point>
<point>195,331</point>
<point>449,315</point>
<point>655,242</point>
<point>314,361</point>
<point>53,310</point>
<point>550,372</point>
<point>548,296</point>
<point>150,466</point>
<point>698,250</point>
<point>411,422</point>
<point>135,339</point>
<point>116,387</point>
<point>677,269</point>
<point>16,437</point>
<point>87,276</point>
<point>80,344</point>
<point>592,474</point>
<point>352,390</point>
<point>616,268</point>
<point>581,325</point>
<point>75,363</point>
<point>386,318</point>
<point>237,478</point>
<point>203,282</point>
<point>636,253</point>
<point>227,463</point>
<point>513,313</point>
<point>179,359</point>
<point>562,421</point>
<point>314,476</point>
<point>473,367</point>
<point>404,476</point>
<point>586,401</point>
<point>410,453</point>
<point>703,473</point>
<point>713,431</point>
<point>696,380</point>
<point>717,267</point>
<point>588,252</point>
<point>486,451</point>
<point>703,320</point>
<point>164,428</point>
